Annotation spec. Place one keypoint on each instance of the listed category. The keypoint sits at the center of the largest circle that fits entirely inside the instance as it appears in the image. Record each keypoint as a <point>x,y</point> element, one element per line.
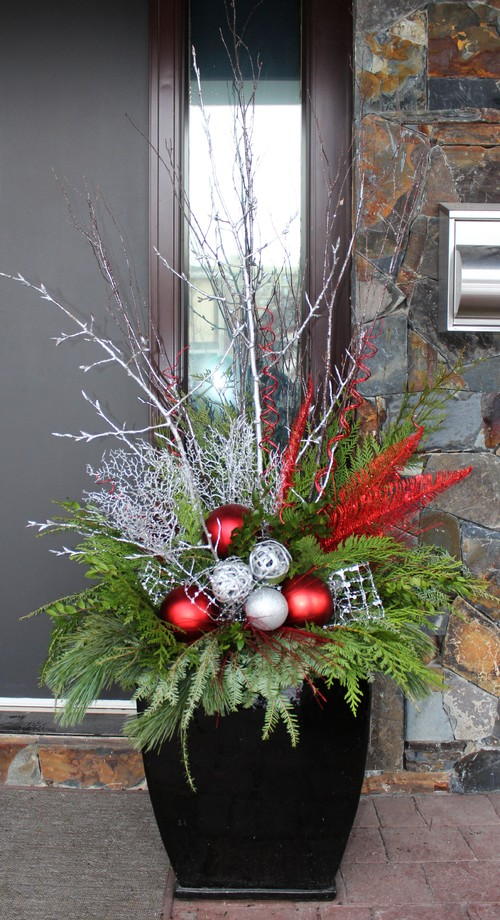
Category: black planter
<point>267,820</point>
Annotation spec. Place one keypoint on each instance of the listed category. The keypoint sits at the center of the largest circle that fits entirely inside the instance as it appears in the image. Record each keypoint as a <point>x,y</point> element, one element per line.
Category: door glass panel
<point>219,170</point>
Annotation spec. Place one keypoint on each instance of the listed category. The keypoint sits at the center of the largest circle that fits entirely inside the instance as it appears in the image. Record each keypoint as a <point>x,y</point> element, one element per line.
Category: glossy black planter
<point>267,820</point>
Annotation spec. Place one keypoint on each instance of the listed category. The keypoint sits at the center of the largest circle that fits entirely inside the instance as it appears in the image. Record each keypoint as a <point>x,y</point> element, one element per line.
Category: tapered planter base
<point>267,820</point>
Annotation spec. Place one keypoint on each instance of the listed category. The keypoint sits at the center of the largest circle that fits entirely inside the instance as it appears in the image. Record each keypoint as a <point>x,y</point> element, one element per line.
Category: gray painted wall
<point>70,74</point>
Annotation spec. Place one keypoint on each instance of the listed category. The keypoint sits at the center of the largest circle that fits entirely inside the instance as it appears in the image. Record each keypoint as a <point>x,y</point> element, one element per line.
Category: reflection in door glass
<point>245,203</point>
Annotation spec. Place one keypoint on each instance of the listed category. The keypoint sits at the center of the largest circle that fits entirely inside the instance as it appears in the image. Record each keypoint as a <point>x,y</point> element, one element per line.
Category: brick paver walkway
<point>410,857</point>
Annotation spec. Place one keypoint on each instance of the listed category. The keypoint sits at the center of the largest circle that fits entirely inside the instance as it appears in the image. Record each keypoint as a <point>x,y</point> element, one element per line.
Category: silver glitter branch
<point>138,373</point>
<point>138,495</point>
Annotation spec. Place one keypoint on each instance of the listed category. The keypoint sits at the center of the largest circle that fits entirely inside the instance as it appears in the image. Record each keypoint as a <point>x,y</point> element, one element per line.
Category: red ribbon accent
<point>354,401</point>
<point>292,449</point>
<point>103,482</point>
<point>172,379</point>
<point>269,415</point>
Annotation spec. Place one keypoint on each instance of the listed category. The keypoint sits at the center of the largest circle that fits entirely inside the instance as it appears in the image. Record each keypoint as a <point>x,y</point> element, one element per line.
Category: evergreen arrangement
<point>170,611</point>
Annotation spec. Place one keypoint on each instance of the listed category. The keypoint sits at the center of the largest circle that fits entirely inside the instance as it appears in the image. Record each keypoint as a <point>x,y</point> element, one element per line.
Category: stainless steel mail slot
<point>469,267</point>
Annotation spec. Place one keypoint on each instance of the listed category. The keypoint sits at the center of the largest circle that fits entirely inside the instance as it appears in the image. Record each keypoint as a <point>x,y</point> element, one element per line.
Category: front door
<point>73,110</point>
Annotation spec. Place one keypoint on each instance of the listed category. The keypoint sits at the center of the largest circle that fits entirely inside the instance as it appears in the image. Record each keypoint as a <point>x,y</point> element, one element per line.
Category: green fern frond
<point>280,709</point>
<point>207,668</point>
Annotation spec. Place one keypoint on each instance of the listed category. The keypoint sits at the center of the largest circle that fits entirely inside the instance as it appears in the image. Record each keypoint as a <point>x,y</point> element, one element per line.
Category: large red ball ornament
<point>190,610</point>
<point>309,600</point>
<point>221,523</point>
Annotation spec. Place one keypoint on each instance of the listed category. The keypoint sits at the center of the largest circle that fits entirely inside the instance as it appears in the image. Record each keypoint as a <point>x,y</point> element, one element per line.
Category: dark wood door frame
<point>327,30</point>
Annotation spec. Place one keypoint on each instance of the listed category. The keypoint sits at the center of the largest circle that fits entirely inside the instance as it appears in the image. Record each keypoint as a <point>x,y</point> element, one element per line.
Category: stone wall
<point>428,130</point>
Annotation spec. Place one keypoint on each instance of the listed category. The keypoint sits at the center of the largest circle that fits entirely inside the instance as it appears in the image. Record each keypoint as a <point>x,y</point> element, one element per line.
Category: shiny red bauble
<point>190,610</point>
<point>309,600</point>
<point>221,523</point>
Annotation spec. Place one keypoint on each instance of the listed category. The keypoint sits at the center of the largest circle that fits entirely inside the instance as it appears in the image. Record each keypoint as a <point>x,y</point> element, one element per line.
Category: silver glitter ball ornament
<point>269,560</point>
<point>266,608</point>
<point>231,581</point>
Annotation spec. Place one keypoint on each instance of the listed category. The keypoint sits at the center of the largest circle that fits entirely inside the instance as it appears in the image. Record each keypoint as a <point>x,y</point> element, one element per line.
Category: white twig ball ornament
<point>231,581</point>
<point>269,560</point>
<point>266,608</point>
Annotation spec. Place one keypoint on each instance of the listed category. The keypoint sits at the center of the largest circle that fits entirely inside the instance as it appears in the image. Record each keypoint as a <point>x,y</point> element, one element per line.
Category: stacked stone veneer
<point>428,130</point>
<point>90,763</point>
<point>80,762</point>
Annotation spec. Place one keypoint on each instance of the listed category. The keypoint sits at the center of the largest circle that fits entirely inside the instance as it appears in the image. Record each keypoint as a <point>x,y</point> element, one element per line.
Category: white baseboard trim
<point>39,704</point>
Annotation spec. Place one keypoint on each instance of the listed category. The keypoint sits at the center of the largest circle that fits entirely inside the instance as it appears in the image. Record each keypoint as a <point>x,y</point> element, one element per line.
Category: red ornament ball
<point>221,523</point>
<point>309,600</point>
<point>189,609</point>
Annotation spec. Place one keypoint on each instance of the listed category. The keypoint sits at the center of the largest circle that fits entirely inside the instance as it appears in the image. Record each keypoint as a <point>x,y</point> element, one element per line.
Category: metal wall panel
<point>74,100</point>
